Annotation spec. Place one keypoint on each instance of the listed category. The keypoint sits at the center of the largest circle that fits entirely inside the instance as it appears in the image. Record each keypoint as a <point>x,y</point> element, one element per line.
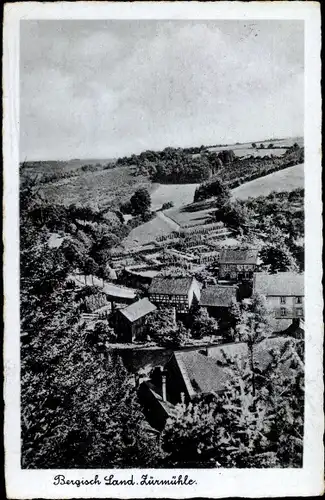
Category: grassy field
<point>245,152</point>
<point>284,180</point>
<point>107,188</point>
<point>179,194</point>
<point>278,143</point>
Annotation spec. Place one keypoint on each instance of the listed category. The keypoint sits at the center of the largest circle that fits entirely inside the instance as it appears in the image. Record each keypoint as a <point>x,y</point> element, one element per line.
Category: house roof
<point>280,284</point>
<point>239,350</point>
<point>205,374</point>
<point>138,310</point>
<point>142,271</point>
<point>156,392</point>
<point>200,373</point>
<point>238,256</point>
<point>217,296</point>
<point>170,286</point>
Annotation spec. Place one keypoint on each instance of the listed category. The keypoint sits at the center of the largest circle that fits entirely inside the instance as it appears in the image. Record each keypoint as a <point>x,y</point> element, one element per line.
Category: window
<point>298,300</point>
<point>299,311</point>
<point>282,300</point>
<point>283,311</point>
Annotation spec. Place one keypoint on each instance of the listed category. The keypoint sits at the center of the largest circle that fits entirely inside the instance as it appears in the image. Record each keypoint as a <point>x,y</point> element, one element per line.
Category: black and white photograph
<point>162,235</point>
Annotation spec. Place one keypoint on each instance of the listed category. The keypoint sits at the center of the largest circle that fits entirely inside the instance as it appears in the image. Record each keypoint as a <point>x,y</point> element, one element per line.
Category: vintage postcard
<point>162,266</point>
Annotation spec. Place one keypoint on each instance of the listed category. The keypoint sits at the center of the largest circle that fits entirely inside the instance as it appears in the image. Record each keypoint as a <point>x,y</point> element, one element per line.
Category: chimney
<point>163,385</point>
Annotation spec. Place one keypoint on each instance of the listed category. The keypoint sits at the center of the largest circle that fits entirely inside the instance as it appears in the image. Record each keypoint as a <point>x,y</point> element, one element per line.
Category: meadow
<point>247,152</point>
<point>178,194</point>
<point>287,179</point>
<point>277,143</point>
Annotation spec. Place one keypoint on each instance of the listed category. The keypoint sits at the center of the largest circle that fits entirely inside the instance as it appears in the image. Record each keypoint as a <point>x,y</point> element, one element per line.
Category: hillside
<point>288,179</point>
<point>170,175</point>
<point>105,188</point>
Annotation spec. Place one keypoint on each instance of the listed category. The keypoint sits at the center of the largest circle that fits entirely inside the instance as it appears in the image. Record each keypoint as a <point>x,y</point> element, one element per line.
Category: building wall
<point>286,306</point>
<point>139,327</point>
<point>181,302</point>
<point>123,327</point>
<point>232,271</point>
<point>127,330</point>
<point>208,257</point>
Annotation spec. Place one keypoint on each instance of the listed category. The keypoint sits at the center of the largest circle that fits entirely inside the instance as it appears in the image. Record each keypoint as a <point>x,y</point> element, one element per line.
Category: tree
<point>254,326</point>
<point>234,215</point>
<point>140,201</point>
<point>278,258</point>
<point>254,145</point>
<point>227,156</point>
<point>261,146</point>
<point>160,324</point>
<point>166,205</point>
<point>65,414</point>
<point>216,188</point>
<point>175,337</point>
<point>126,208</point>
<point>74,252</point>
<point>203,325</point>
<point>234,315</point>
<point>174,271</point>
<point>90,268</point>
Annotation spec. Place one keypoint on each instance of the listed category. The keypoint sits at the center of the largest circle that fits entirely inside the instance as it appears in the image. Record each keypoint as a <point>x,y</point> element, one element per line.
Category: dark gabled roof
<point>200,373</point>
<point>238,256</point>
<point>138,310</point>
<point>170,286</point>
<point>156,392</point>
<point>217,296</point>
<point>280,284</point>
<point>262,352</point>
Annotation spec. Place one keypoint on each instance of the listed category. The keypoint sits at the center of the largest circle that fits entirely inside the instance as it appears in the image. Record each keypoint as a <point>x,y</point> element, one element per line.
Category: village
<point>156,285</point>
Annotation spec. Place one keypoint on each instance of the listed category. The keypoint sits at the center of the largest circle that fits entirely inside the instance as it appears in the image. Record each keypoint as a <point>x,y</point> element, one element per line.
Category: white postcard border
<point>214,483</point>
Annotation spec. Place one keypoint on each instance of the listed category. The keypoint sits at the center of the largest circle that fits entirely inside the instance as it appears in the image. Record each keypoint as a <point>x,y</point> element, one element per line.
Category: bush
<point>168,204</point>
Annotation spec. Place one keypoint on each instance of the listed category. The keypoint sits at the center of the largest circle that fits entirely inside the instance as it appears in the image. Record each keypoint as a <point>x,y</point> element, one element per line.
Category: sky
<point>105,89</point>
